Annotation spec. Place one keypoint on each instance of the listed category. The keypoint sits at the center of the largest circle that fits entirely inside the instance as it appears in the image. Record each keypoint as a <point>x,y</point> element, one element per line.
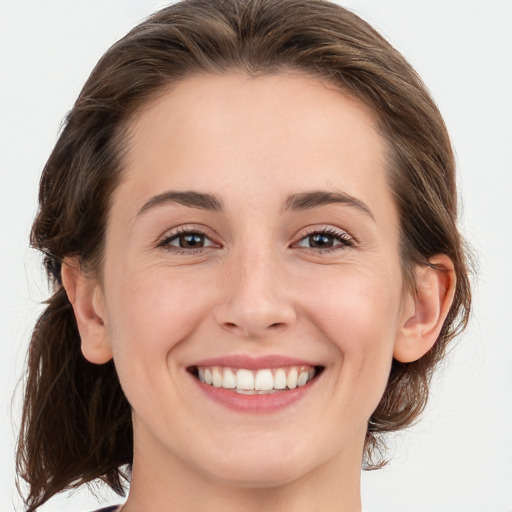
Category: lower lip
<point>267,403</point>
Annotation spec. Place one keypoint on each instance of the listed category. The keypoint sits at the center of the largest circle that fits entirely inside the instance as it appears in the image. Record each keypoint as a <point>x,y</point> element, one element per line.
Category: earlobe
<point>86,297</point>
<point>426,311</point>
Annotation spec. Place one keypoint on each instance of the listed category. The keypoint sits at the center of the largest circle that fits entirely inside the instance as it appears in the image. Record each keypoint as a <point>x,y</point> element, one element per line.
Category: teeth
<point>229,379</point>
<point>280,379</point>
<point>291,380</point>
<point>244,379</point>
<point>263,381</point>
<point>254,392</point>
<point>303,378</point>
<point>217,378</point>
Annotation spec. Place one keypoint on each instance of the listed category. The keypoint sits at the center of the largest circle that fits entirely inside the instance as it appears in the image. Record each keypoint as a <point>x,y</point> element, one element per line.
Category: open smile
<point>253,382</point>
<point>255,389</point>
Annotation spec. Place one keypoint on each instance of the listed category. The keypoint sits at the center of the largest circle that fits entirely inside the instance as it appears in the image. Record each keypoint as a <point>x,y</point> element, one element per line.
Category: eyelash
<point>342,236</point>
<point>346,241</point>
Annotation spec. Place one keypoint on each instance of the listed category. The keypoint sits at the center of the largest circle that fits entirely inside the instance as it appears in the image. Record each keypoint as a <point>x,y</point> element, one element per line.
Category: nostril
<point>277,324</point>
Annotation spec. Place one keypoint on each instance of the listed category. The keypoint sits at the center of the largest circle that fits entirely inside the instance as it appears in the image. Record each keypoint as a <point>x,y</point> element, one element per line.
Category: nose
<point>256,296</point>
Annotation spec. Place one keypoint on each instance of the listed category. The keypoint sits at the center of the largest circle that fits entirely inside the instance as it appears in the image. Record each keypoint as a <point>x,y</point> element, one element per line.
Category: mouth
<point>263,381</point>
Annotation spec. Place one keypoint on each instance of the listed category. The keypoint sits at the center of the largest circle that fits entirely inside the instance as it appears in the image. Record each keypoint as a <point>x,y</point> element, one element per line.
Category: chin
<point>260,477</point>
<point>263,468</point>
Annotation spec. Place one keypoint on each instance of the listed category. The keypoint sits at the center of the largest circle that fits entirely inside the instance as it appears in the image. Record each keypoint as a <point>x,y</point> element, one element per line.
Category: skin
<point>258,287</point>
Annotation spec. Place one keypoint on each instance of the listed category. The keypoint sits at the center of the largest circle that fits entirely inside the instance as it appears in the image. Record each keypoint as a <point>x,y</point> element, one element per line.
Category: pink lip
<point>254,403</point>
<point>253,363</point>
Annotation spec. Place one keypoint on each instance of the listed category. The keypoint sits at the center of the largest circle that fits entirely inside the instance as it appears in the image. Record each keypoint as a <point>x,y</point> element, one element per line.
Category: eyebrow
<point>188,198</point>
<point>300,201</point>
<point>315,198</point>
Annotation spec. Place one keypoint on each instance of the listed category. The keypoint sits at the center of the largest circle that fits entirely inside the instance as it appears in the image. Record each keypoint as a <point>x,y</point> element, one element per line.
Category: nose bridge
<point>256,302</point>
<point>255,273</point>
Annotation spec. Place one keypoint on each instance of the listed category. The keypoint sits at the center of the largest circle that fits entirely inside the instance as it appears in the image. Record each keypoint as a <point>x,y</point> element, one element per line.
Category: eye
<point>326,240</point>
<point>186,240</point>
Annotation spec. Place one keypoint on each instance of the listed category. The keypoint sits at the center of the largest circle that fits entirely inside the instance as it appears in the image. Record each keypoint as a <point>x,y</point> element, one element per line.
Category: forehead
<point>259,137</point>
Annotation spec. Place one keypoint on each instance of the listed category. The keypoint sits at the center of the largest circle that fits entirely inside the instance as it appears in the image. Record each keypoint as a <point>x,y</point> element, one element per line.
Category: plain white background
<point>459,457</point>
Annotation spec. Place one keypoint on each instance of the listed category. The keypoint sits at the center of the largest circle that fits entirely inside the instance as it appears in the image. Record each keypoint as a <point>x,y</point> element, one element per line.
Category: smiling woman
<point>250,222</point>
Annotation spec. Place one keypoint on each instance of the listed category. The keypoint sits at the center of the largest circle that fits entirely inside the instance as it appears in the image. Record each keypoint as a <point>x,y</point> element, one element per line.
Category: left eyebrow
<point>316,198</point>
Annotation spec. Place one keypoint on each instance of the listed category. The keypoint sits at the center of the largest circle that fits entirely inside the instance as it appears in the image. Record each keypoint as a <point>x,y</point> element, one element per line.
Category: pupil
<point>193,240</point>
<point>320,240</point>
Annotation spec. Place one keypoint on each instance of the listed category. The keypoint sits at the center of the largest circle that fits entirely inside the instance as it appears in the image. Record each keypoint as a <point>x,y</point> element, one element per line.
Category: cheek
<point>150,318</point>
<point>151,313</point>
<point>358,314</point>
<point>358,307</point>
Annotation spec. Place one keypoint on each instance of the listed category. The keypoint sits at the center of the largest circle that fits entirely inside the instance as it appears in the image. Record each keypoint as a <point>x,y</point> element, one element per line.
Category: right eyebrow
<point>187,198</point>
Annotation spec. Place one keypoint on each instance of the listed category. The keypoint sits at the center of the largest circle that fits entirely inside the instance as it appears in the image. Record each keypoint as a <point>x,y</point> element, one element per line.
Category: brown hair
<point>76,424</point>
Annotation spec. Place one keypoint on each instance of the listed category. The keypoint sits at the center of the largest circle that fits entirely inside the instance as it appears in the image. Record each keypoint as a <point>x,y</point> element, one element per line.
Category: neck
<point>333,486</point>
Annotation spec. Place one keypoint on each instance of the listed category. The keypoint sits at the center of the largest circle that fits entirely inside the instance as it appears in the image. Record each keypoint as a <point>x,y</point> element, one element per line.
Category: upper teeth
<point>263,381</point>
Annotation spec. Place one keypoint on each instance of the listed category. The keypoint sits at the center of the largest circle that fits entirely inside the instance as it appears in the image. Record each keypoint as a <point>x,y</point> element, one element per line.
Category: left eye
<point>325,240</point>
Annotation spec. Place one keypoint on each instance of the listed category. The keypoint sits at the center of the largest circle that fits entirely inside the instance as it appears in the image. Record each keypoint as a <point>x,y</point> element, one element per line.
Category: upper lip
<point>253,362</point>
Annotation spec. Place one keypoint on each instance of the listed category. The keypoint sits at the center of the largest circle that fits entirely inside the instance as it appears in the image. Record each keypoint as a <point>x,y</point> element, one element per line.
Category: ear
<point>426,311</point>
<point>86,296</point>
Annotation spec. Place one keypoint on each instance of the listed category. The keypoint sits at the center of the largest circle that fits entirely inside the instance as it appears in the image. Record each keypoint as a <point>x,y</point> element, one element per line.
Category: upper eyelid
<point>325,229</point>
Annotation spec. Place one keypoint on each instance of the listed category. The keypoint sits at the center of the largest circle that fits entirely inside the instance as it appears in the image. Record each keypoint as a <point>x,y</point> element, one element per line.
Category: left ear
<point>426,311</point>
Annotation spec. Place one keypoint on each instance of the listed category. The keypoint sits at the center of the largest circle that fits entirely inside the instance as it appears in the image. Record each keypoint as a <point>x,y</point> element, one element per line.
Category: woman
<point>250,222</point>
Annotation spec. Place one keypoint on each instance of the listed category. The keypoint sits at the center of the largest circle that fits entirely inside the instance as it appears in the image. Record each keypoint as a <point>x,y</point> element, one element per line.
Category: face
<point>252,242</point>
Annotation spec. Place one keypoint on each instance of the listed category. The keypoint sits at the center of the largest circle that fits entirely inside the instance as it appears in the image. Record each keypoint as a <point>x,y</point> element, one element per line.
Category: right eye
<point>186,240</point>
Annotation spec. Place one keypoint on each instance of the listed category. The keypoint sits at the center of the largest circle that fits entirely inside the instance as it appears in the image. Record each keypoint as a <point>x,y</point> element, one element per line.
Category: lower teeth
<point>254,392</point>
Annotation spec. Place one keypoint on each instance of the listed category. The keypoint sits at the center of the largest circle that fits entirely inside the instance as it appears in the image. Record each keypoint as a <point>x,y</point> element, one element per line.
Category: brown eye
<point>190,241</point>
<point>186,241</point>
<point>326,240</point>
<point>321,241</point>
